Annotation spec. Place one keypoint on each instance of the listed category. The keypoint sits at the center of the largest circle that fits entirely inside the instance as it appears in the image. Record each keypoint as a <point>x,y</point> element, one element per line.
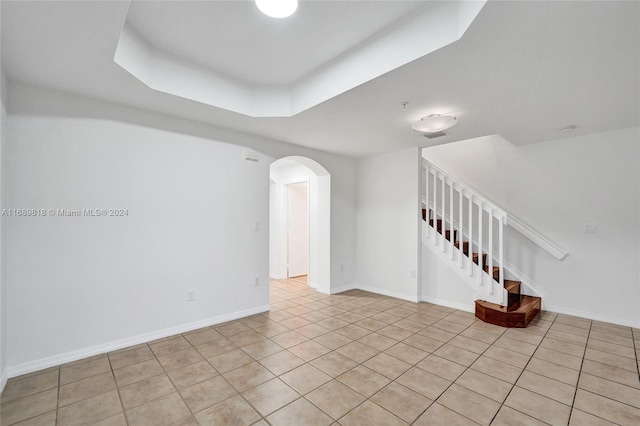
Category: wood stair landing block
<point>502,316</point>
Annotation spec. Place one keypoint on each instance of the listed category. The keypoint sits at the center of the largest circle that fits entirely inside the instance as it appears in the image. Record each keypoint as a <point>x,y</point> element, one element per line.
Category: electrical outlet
<point>590,228</point>
<point>413,273</point>
<point>256,281</point>
<point>191,295</point>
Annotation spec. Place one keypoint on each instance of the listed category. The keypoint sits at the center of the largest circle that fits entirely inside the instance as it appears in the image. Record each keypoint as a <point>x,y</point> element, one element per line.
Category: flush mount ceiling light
<point>277,8</point>
<point>434,123</point>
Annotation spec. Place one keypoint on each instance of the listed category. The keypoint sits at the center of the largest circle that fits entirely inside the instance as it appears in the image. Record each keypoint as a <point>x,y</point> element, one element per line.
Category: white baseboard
<point>384,292</point>
<point>448,304</point>
<point>336,290</point>
<point>52,361</point>
<point>312,284</point>
<point>3,379</point>
<point>590,315</point>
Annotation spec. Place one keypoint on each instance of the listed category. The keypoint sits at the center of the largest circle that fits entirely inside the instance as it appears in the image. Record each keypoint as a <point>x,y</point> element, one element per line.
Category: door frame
<point>284,255</point>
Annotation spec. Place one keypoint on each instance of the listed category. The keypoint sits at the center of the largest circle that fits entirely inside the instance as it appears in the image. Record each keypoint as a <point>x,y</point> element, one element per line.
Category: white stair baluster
<point>470,246</point>
<point>426,199</point>
<point>490,236</point>
<point>501,253</point>
<point>435,207</point>
<point>451,231</point>
<point>460,238</point>
<point>444,215</point>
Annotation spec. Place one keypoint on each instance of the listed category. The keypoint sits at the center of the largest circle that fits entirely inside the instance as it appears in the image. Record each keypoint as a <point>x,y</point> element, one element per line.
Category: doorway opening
<point>299,222</point>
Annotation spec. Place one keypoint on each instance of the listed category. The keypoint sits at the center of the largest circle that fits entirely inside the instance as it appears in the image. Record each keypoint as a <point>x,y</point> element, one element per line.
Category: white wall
<point>556,187</point>
<point>388,223</point>
<point>3,346</point>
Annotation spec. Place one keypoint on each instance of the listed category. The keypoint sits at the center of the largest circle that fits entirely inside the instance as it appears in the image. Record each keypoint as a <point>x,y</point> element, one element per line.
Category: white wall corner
<point>337,290</point>
<point>3,379</point>
<point>52,361</point>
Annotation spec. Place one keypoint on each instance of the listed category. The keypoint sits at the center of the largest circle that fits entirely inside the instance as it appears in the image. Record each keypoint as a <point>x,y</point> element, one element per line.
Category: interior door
<point>298,229</point>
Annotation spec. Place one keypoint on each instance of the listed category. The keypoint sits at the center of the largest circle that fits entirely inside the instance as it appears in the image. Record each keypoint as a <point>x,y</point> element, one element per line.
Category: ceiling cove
<point>208,60</point>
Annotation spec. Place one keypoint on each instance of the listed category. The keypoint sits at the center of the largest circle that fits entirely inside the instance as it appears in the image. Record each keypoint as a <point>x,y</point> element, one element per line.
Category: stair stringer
<point>482,289</point>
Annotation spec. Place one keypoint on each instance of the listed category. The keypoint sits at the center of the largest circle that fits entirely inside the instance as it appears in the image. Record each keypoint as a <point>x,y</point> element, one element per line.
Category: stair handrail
<point>509,219</point>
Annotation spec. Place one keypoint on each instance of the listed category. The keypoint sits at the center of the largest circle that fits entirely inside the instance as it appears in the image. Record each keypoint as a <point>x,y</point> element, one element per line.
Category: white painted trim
<point>403,296</point>
<point>592,316</point>
<point>448,304</point>
<point>52,361</point>
<point>3,379</point>
<point>547,245</point>
<point>313,285</point>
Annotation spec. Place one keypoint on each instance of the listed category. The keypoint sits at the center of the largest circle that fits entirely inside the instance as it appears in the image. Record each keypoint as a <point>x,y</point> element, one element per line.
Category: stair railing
<point>453,209</point>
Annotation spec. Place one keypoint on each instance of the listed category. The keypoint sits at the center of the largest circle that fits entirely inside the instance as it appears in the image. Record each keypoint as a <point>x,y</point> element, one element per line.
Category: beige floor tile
<point>455,354</point>
<point>294,323</point>
<point>497,369</point>
<point>270,396</point>
<point>485,385</point>
<point>470,404</point>
<point>246,338</point>
<point>215,348</point>
<point>564,347</point>
<point>29,406</point>
<point>371,414</point>
<point>289,339</point>
<point>559,358</point>
<point>136,372</point>
<point>407,353</point>
<point>578,331</point>
<point>567,337</point>
<point>616,374</point>
<point>612,348</point>
<point>364,380</point>
<point>538,406</point>
<point>90,410</point>
<point>305,378</point>
<point>378,341</point>
<point>446,369</point>
<point>167,410</point>
<point>230,360</point>
<point>609,389</point>
<point>231,412</point>
<point>248,376</point>
<point>207,393</point>
<point>272,329</point>
<point>480,335</point>
<point>387,365</point>
<point>230,328</point>
<point>507,356</point>
<point>167,346</point>
<point>402,401</point>
<point>606,408</point>
<point>437,334</point>
<point>333,340</point>
<point>353,331</point>
<point>515,346</point>
<point>135,355</point>
<point>200,337</point>
<point>332,323</point>
<point>357,351</point>
<point>545,386</point>
<point>335,399</point>
<point>334,364</point>
<point>423,343</point>
<point>82,370</point>
<point>281,362</point>
<point>523,336</point>
<point>299,412</point>
<point>611,359</point>
<point>180,359</point>
<point>553,371</point>
<point>394,332</point>
<point>309,350</point>
<point>437,414</point>
<point>25,386</point>
<point>312,331</point>
<point>451,327</point>
<point>262,349</point>
<point>47,419</point>
<point>86,388</point>
<point>146,390</point>
<point>612,338</point>
<point>509,417</point>
<point>580,418</point>
<point>191,374</point>
<point>371,324</point>
<point>424,383</point>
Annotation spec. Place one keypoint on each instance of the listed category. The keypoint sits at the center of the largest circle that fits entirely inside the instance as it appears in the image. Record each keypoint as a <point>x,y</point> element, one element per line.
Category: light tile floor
<point>351,359</point>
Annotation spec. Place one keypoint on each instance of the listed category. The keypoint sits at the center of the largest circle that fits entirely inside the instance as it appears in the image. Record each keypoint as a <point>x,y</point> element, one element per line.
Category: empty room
<point>319,212</point>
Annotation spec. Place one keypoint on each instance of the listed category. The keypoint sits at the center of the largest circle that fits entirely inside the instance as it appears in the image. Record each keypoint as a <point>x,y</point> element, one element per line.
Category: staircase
<point>466,230</point>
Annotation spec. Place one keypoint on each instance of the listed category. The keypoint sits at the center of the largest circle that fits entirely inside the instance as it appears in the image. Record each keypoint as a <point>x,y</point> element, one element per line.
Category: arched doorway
<point>288,176</point>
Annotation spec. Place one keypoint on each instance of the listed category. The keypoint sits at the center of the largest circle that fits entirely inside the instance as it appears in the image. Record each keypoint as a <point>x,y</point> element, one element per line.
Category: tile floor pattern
<point>350,359</point>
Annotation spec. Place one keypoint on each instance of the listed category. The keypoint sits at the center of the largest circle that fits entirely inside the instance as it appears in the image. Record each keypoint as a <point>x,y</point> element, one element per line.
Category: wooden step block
<point>502,316</point>
<point>465,246</point>
<point>496,271</point>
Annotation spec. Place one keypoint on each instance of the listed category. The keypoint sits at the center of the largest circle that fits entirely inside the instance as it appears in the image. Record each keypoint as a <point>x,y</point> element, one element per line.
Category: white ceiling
<point>523,69</point>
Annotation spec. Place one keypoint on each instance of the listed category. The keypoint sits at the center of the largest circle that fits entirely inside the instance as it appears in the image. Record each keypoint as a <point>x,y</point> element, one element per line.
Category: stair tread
<point>526,304</point>
<point>511,284</point>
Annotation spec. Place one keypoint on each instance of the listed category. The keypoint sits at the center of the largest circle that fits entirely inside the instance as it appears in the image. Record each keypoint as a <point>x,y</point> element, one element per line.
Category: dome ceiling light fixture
<point>434,123</point>
<point>277,8</point>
